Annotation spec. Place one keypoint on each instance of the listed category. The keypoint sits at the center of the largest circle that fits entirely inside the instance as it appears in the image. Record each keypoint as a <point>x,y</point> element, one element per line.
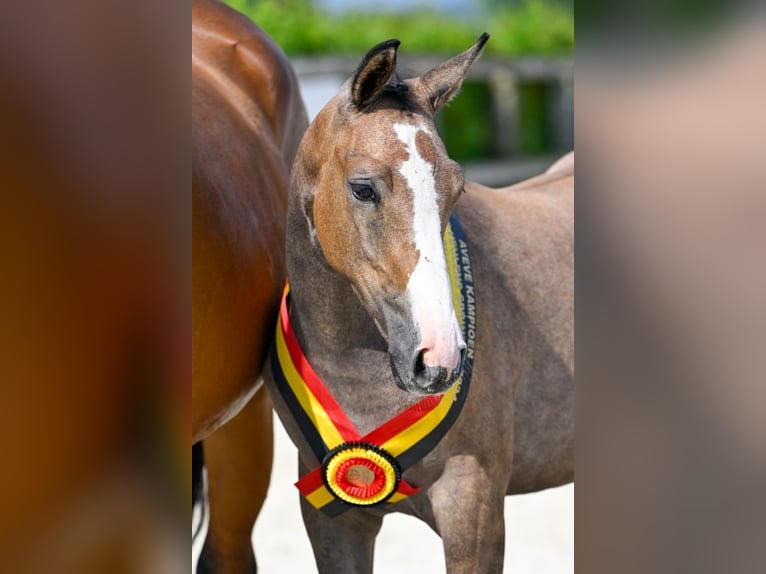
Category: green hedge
<point>532,27</point>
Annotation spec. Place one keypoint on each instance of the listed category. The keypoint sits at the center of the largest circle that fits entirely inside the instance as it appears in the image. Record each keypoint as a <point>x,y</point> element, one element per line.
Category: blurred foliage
<point>466,124</point>
<point>535,27</point>
<point>519,27</point>
<point>534,128</point>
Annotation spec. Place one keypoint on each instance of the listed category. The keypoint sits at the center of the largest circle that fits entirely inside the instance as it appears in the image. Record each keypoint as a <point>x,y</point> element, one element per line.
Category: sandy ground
<point>539,531</point>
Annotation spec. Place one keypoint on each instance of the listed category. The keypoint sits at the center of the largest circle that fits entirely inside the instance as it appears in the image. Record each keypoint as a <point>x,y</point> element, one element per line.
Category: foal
<point>373,326</point>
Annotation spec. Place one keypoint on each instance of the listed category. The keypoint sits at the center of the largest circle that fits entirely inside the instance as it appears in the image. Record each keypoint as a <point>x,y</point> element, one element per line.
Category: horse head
<point>380,189</point>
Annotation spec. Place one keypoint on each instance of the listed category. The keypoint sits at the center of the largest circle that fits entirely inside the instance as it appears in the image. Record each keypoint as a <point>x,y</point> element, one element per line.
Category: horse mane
<point>396,85</point>
<point>397,94</point>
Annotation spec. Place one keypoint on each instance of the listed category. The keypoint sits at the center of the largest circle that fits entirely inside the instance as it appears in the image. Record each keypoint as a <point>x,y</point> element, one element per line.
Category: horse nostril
<point>419,368</point>
<point>429,379</point>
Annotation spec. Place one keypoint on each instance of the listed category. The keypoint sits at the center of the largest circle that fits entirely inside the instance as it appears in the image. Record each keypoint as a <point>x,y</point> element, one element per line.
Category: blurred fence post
<point>504,89</point>
<point>561,112</point>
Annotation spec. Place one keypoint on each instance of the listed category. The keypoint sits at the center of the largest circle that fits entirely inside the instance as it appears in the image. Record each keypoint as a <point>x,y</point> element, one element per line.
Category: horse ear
<point>443,82</point>
<point>374,73</point>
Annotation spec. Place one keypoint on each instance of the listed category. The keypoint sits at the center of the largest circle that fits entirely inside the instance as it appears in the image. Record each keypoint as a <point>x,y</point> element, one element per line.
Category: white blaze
<point>428,288</point>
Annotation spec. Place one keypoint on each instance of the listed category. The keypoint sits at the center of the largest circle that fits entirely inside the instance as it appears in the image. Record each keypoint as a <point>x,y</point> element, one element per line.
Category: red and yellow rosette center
<point>360,474</point>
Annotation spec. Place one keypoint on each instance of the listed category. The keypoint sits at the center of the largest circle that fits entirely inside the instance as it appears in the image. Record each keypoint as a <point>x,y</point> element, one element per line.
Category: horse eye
<point>363,191</point>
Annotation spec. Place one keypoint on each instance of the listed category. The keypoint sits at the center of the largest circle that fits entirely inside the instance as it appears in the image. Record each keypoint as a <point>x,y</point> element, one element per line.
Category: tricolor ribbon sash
<point>365,470</point>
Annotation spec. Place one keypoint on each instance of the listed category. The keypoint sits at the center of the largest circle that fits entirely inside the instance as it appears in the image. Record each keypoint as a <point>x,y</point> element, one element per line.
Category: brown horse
<point>247,121</point>
<point>371,309</point>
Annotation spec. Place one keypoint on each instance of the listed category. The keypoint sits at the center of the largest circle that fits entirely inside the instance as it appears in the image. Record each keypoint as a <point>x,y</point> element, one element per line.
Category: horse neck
<point>326,314</point>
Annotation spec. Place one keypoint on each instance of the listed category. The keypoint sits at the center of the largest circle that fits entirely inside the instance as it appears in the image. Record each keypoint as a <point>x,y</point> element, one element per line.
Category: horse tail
<point>198,463</point>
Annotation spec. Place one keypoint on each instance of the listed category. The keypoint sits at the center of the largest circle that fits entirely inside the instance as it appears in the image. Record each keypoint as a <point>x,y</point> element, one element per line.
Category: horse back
<point>247,121</point>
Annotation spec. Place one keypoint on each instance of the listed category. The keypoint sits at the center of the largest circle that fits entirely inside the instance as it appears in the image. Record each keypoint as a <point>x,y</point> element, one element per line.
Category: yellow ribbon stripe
<point>422,427</point>
<point>450,251</point>
<point>319,417</point>
<point>320,497</point>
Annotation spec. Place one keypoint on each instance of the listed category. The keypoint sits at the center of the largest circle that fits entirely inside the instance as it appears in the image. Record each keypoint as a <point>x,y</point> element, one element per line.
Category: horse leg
<point>468,513</point>
<point>238,458</point>
<point>344,544</point>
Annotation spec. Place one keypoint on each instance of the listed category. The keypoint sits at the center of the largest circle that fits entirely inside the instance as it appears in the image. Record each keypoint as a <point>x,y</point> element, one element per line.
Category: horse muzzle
<point>418,378</point>
<point>423,364</point>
